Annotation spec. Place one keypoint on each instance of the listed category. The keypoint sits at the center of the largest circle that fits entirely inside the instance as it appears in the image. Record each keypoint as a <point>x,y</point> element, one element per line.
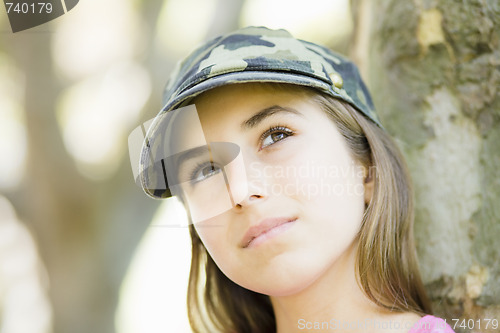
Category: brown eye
<point>278,136</point>
<point>274,135</point>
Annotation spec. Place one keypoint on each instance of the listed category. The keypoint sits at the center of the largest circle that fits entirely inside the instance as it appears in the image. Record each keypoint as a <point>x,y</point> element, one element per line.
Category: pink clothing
<point>431,324</point>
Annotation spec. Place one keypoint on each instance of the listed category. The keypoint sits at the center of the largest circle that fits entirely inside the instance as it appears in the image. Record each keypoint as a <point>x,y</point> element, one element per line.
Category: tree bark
<point>433,68</point>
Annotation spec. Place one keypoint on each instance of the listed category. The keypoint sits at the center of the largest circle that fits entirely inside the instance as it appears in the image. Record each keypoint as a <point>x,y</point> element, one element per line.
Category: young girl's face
<point>305,199</point>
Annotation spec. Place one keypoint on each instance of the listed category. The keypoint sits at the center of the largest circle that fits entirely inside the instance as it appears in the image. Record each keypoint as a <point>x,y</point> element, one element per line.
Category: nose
<point>254,196</point>
<point>247,182</point>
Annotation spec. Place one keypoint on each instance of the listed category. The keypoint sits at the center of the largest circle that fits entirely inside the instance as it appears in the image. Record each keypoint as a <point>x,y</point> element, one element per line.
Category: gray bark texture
<point>433,67</point>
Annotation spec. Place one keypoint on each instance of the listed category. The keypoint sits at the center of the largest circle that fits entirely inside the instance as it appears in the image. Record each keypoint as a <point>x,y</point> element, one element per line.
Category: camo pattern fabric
<point>252,54</point>
<point>258,54</point>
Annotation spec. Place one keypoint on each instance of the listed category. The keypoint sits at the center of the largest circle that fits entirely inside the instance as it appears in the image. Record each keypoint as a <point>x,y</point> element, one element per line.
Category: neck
<point>330,303</point>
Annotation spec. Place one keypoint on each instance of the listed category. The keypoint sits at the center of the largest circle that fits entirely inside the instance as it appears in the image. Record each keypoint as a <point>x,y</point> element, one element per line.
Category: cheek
<point>214,235</point>
<point>330,190</point>
<point>314,175</point>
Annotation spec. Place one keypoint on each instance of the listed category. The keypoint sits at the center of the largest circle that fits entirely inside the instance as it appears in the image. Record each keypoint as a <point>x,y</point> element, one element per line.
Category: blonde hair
<point>386,265</point>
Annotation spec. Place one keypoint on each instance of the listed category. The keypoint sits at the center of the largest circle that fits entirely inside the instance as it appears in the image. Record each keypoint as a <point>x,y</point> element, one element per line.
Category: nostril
<point>247,201</point>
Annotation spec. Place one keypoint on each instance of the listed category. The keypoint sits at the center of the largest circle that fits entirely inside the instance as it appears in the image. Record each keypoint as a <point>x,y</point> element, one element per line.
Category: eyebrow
<point>176,160</point>
<point>265,113</point>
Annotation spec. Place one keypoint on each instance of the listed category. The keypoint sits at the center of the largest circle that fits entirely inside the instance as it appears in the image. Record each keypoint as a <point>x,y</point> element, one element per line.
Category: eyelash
<point>273,129</point>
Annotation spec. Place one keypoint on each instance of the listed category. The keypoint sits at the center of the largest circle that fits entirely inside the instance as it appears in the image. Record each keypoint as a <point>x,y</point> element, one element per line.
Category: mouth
<point>265,230</point>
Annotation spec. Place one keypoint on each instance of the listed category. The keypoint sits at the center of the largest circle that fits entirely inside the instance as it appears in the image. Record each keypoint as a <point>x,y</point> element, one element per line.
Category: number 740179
<point>475,324</point>
<point>32,8</point>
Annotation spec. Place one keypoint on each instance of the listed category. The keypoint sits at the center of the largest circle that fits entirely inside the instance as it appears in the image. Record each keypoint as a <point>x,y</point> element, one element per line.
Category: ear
<point>369,184</point>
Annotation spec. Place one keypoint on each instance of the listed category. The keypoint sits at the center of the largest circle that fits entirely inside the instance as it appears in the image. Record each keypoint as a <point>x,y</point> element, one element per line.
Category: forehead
<point>217,114</point>
<point>237,102</point>
<point>246,94</point>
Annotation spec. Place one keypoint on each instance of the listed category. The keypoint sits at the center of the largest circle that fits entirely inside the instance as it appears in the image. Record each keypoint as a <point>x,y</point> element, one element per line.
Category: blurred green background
<point>82,249</point>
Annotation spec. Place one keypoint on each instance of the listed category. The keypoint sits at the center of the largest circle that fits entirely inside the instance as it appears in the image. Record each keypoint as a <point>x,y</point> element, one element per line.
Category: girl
<point>299,201</point>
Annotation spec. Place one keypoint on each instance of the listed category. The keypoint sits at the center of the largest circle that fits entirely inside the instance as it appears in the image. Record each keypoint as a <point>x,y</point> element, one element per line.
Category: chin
<point>284,281</point>
<point>282,288</point>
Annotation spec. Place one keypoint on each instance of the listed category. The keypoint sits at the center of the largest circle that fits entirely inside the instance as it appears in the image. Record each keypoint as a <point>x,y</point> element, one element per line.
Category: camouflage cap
<point>252,54</point>
<point>259,54</point>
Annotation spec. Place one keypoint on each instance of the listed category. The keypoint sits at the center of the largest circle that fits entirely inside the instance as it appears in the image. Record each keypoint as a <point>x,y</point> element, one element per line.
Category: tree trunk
<point>433,70</point>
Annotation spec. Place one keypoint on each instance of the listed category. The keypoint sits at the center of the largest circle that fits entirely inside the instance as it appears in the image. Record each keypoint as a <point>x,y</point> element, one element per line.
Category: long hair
<point>386,262</point>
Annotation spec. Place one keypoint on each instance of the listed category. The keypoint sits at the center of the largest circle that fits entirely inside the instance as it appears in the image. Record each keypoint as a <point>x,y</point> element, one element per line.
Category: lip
<point>265,229</point>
